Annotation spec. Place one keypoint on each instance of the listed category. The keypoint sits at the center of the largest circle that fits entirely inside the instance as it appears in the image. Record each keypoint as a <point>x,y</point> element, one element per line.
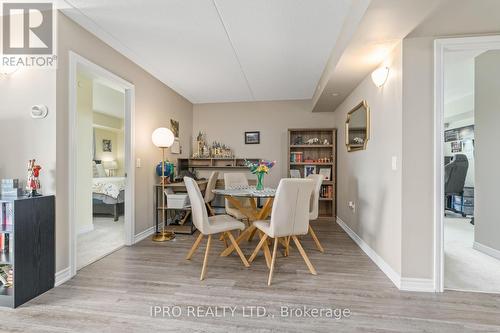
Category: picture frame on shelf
<point>252,138</point>
<point>309,170</point>
<point>326,172</point>
<point>294,173</point>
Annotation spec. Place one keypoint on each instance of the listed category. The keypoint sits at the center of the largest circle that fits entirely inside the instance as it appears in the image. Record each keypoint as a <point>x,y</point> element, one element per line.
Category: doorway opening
<point>467,243</point>
<point>101,155</point>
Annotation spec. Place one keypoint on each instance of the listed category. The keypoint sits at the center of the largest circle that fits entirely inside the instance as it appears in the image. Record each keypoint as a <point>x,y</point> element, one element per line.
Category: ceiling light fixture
<point>379,76</point>
<point>335,94</point>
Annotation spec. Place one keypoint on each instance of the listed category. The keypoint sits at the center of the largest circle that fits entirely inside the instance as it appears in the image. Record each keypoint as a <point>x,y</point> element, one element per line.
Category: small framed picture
<point>252,138</point>
<point>309,170</point>
<point>294,173</point>
<point>176,147</point>
<point>174,126</point>
<point>106,145</point>
<point>326,172</point>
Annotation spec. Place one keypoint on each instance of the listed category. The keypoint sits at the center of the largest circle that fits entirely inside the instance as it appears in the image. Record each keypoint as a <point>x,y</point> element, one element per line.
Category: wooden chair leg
<point>237,247</point>
<point>205,260</point>
<point>316,240</point>
<point>257,249</point>
<point>223,238</point>
<point>267,252</point>
<point>195,246</point>
<point>252,235</point>
<point>288,246</point>
<point>211,211</point>
<point>271,270</point>
<point>304,255</point>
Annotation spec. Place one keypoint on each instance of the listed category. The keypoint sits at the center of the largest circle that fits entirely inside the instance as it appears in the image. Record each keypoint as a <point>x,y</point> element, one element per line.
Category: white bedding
<point>110,186</point>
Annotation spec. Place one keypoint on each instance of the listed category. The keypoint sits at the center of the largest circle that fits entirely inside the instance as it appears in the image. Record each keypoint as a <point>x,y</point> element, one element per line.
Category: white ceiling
<point>222,50</point>
<point>108,100</point>
<point>384,24</point>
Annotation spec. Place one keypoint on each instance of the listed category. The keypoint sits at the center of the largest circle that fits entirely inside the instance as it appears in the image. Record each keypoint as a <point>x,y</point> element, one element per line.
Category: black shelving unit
<point>31,252</point>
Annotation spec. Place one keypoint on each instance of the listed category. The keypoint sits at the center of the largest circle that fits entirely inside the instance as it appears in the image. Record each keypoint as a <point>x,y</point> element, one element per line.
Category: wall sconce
<point>379,76</point>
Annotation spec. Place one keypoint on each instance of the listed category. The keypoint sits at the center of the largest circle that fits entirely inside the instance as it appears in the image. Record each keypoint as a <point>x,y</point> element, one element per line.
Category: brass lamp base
<point>163,236</point>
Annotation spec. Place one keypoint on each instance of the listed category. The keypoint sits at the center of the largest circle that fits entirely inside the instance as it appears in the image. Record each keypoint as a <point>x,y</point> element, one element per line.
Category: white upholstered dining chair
<point>314,207</point>
<point>209,194</point>
<point>289,217</point>
<point>207,226</point>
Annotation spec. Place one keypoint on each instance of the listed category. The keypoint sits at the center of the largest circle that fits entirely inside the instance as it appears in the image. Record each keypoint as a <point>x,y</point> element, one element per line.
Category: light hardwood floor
<point>116,294</point>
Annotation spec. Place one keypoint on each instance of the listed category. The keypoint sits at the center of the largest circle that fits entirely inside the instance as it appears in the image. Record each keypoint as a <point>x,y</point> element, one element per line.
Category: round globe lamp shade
<point>163,137</point>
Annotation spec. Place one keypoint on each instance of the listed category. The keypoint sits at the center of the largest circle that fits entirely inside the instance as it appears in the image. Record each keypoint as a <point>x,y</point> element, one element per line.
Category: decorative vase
<point>260,180</point>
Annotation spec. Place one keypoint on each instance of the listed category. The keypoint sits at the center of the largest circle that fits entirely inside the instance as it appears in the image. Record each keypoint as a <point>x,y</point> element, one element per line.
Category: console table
<point>185,226</point>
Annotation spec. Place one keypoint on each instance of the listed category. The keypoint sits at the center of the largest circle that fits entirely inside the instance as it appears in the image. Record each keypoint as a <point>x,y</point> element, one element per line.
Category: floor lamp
<point>163,138</point>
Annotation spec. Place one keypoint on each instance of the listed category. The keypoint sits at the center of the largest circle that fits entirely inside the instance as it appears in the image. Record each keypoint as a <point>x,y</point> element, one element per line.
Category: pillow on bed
<point>95,174</point>
<point>100,170</point>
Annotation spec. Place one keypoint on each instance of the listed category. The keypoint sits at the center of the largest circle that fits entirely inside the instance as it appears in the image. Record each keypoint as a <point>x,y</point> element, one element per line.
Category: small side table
<point>186,226</point>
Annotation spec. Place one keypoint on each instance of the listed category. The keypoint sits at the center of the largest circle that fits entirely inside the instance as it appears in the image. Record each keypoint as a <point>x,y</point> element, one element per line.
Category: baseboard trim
<point>62,276</point>
<point>415,284</point>
<point>384,266</point>
<point>486,250</point>
<point>144,234</point>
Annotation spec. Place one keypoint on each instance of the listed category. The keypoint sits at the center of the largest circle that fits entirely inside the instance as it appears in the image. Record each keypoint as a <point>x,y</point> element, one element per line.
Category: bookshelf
<point>318,156</point>
<point>27,239</point>
<point>212,163</point>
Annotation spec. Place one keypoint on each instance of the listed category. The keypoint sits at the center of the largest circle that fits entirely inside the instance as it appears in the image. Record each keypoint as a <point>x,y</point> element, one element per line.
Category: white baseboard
<point>144,234</point>
<point>62,276</point>
<point>415,284</point>
<point>394,276</point>
<point>486,250</point>
<point>85,229</point>
<point>402,283</point>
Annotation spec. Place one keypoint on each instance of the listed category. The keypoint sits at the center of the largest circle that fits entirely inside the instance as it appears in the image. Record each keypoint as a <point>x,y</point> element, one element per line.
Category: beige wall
<point>24,138</point>
<point>487,117</point>
<point>155,104</point>
<point>418,158</point>
<point>105,120</point>
<point>366,177</point>
<point>84,172</point>
<point>227,123</point>
<point>106,134</point>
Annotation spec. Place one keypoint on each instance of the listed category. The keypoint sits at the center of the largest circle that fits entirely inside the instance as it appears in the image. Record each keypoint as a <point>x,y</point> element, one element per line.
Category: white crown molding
<point>486,250</point>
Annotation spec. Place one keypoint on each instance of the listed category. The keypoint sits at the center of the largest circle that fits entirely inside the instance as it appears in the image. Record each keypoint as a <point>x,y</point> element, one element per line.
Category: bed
<point>108,195</point>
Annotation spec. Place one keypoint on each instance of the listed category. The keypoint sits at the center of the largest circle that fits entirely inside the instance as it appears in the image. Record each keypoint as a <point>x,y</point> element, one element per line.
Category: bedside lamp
<point>163,138</point>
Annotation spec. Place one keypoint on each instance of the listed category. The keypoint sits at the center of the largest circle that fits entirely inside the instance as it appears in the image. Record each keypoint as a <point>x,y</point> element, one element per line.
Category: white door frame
<point>75,62</point>
<point>440,47</point>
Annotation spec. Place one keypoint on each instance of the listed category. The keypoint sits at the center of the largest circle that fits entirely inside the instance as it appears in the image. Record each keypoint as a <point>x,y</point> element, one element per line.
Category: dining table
<point>237,196</point>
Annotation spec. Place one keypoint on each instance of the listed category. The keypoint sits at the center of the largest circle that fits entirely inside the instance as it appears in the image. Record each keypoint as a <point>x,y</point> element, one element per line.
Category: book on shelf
<point>6,275</point>
<point>4,243</point>
<point>326,192</point>
<point>9,183</point>
<point>6,213</point>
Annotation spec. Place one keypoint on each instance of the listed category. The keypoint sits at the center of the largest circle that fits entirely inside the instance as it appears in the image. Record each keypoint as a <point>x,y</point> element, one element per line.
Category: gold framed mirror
<point>357,127</point>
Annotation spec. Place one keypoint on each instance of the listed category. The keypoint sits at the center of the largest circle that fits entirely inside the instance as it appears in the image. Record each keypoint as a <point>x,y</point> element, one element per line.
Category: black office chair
<point>454,179</point>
